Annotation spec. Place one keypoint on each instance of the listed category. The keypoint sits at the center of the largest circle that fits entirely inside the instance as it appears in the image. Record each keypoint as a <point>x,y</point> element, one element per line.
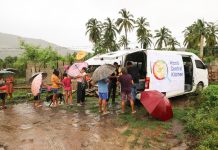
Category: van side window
<point>199,64</point>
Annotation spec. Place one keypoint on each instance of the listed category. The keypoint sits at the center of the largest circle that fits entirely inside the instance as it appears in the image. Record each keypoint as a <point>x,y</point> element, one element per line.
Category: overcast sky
<point>63,21</point>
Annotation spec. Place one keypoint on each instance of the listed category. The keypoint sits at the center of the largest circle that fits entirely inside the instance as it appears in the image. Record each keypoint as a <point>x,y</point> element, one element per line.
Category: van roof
<point>117,56</point>
<point>120,53</point>
<point>174,52</point>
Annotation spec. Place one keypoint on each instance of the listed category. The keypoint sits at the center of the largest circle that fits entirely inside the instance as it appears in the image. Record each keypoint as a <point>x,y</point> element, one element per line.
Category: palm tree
<point>172,43</point>
<point>93,27</point>
<point>123,41</point>
<point>143,34</point>
<point>163,36</point>
<point>200,31</point>
<point>110,32</point>
<point>190,40</point>
<point>125,22</point>
<point>211,37</point>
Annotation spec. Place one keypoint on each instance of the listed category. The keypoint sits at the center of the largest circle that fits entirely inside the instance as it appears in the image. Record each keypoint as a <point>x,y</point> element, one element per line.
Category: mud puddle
<point>24,127</point>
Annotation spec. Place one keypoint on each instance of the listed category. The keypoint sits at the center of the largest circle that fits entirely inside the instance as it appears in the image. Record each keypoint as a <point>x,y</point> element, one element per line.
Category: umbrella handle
<point>78,68</point>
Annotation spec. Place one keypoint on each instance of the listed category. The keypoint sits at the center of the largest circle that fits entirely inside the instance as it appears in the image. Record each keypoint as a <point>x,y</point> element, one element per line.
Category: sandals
<point>134,112</point>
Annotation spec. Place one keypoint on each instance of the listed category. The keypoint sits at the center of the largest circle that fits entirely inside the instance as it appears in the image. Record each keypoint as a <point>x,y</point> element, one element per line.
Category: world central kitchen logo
<point>161,70</point>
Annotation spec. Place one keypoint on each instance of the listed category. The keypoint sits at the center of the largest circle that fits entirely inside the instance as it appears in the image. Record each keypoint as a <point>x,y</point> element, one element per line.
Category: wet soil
<point>24,127</point>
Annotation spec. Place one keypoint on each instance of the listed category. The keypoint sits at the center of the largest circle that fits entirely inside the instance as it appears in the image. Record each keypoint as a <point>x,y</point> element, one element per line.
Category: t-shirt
<point>114,75</point>
<point>134,72</point>
<point>54,81</point>
<point>67,83</point>
<point>126,82</point>
<point>81,79</point>
<point>102,86</point>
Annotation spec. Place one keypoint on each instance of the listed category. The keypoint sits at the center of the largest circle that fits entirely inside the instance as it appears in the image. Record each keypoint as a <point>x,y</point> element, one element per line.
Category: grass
<point>135,142</point>
<point>127,132</point>
<point>146,143</point>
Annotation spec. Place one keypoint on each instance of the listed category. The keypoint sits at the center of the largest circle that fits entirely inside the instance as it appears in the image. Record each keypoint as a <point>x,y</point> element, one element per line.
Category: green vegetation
<point>198,32</point>
<point>202,121</point>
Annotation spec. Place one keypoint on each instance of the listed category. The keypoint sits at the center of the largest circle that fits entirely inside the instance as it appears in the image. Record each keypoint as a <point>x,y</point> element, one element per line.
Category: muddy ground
<point>24,127</point>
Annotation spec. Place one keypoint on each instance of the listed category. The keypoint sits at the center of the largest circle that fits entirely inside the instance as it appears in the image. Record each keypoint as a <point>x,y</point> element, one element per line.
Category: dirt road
<point>24,127</point>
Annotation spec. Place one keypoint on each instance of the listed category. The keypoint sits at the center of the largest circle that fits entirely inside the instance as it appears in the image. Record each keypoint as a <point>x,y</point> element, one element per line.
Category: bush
<point>202,121</point>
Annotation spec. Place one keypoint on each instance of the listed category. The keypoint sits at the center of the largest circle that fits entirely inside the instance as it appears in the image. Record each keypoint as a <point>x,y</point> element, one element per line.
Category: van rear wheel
<point>200,87</point>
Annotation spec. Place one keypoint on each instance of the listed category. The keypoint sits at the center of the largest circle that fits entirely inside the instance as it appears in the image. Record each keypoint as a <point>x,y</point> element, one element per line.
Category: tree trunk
<point>126,44</point>
<point>202,47</point>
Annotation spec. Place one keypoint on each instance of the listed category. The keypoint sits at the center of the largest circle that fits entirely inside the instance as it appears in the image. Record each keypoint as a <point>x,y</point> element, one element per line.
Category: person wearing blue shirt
<point>103,95</point>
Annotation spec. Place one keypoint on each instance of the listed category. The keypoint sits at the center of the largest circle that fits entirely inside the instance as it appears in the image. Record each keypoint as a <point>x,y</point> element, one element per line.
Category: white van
<point>173,73</point>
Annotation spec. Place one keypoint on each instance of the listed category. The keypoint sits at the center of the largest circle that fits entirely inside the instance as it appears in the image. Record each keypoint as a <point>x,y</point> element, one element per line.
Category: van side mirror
<point>205,66</point>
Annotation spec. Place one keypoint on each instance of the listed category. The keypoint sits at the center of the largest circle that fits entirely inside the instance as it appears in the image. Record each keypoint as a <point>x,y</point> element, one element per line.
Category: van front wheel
<point>200,87</point>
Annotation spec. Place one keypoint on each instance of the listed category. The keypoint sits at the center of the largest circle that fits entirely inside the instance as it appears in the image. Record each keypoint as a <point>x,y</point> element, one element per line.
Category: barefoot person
<point>67,88</point>
<point>103,95</point>
<point>3,89</point>
<point>126,85</point>
<point>55,86</point>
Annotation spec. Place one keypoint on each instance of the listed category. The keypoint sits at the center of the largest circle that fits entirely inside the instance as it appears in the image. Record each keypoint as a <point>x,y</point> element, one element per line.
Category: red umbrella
<point>76,68</point>
<point>36,85</point>
<point>157,105</point>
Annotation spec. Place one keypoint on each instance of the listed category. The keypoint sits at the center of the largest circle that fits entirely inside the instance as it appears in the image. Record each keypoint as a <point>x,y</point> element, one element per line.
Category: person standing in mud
<point>134,72</point>
<point>81,87</point>
<point>55,86</point>
<point>112,86</point>
<point>126,82</point>
<point>3,89</point>
<point>9,85</point>
<point>67,88</point>
<point>103,95</point>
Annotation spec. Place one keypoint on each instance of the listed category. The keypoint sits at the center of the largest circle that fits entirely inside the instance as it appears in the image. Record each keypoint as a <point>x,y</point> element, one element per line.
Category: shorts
<point>55,90</point>
<point>2,96</point>
<point>67,88</point>
<point>126,94</point>
<point>103,96</point>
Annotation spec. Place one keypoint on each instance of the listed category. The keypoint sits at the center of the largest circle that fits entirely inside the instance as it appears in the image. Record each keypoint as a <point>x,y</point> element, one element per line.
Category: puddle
<point>75,125</point>
<point>26,126</point>
<point>53,129</point>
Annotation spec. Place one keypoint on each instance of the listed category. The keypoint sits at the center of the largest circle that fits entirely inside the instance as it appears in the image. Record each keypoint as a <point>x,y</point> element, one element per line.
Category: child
<point>55,86</point>
<point>67,88</point>
<point>126,85</point>
<point>103,95</point>
<point>3,89</point>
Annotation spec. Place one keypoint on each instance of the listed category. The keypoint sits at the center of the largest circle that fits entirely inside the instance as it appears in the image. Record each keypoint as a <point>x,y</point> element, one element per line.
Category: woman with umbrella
<point>81,87</point>
<point>36,86</point>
